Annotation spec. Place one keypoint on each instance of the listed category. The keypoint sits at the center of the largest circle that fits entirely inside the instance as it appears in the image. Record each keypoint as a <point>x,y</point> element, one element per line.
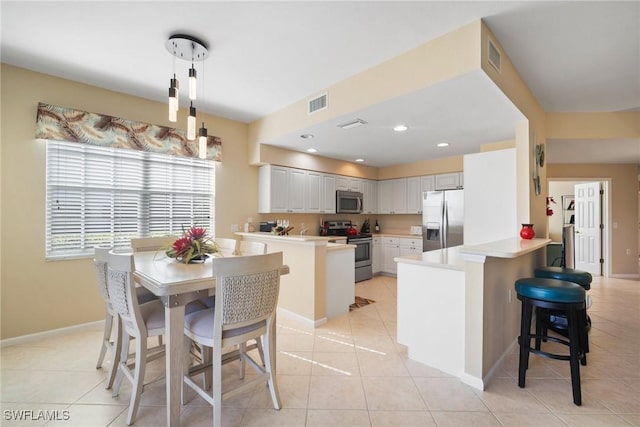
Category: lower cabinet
<point>410,246</point>
<point>377,255</point>
<point>390,250</point>
<point>386,248</point>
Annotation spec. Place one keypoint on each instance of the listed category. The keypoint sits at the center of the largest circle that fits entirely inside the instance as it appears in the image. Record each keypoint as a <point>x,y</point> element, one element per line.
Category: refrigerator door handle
<point>445,224</point>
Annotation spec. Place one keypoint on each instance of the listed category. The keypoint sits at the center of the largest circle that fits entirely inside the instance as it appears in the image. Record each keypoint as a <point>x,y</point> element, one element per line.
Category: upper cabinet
<point>345,183</point>
<point>369,196</point>
<point>291,190</point>
<point>414,195</point>
<point>448,181</point>
<point>392,196</point>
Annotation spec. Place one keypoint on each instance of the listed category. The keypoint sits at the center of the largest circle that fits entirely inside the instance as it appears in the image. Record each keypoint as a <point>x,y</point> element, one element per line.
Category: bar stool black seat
<point>552,294</point>
<point>582,278</point>
<point>558,322</point>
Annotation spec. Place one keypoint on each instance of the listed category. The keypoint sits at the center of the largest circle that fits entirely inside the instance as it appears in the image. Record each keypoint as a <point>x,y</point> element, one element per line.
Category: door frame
<point>605,217</point>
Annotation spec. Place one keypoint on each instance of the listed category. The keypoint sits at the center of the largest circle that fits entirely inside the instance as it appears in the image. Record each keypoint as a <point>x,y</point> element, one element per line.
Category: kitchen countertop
<point>454,258</point>
<point>398,234</point>
<point>449,258</point>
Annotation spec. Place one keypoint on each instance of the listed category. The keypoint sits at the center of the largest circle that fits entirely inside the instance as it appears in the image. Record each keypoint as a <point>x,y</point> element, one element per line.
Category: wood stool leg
<point>574,354</point>
<point>525,340</point>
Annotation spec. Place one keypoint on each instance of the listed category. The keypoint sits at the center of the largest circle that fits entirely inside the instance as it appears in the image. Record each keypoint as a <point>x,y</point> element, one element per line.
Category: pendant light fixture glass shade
<point>173,99</point>
<point>191,123</point>
<point>192,83</point>
<point>173,105</point>
<point>202,142</point>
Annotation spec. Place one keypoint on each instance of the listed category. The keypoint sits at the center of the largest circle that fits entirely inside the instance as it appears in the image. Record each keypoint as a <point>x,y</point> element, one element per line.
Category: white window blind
<point>98,195</point>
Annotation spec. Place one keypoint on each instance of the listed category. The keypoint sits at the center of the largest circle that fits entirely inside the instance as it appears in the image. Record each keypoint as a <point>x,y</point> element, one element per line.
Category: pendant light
<point>202,142</point>
<point>187,48</point>
<point>173,99</point>
<point>191,123</point>
<point>192,83</point>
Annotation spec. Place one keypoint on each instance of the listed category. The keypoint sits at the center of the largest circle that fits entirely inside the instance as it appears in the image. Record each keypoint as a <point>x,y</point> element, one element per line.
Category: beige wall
<point>39,295</point>
<point>624,207</point>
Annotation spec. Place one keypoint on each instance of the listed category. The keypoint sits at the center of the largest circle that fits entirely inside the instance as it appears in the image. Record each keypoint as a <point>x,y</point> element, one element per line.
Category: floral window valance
<point>66,124</point>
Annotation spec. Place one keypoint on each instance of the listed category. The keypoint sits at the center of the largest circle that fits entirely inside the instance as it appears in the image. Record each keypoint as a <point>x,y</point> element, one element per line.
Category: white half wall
<point>490,197</point>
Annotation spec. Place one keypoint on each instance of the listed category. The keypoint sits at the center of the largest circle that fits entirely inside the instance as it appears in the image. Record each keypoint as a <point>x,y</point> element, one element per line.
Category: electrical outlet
<point>234,228</point>
<point>510,296</point>
<point>628,251</point>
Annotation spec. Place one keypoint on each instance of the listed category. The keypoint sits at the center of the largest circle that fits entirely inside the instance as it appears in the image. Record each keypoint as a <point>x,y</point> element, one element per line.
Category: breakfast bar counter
<point>457,311</point>
<point>321,280</point>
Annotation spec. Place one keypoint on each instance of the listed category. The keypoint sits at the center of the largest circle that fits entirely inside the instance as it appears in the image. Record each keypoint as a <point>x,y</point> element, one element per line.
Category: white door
<point>588,231</point>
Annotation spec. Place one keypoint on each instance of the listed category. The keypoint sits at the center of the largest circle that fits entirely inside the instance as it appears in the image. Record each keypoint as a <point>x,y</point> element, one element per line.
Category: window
<point>98,195</point>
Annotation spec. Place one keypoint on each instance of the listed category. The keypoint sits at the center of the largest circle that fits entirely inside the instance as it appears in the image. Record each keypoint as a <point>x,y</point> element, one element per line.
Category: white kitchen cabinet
<point>428,183</point>
<point>385,200</point>
<point>410,246</point>
<point>328,202</point>
<point>392,196</point>
<point>346,183</point>
<point>369,196</point>
<point>281,189</point>
<point>449,181</point>
<point>414,195</point>
<point>377,257</point>
<point>320,193</point>
<point>390,250</point>
<point>297,191</point>
<point>314,192</point>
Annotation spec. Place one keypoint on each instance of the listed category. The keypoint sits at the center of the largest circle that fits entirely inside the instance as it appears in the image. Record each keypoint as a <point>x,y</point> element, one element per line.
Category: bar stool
<point>558,322</point>
<point>552,294</point>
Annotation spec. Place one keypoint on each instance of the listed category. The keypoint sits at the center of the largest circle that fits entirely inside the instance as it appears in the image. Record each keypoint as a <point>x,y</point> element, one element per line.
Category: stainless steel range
<point>363,242</point>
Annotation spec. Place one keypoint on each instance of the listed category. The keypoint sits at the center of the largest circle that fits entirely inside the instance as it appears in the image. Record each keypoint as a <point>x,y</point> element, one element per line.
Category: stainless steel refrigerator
<point>442,219</point>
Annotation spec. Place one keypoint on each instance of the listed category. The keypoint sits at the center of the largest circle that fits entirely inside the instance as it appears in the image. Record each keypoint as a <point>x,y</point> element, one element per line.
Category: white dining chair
<point>138,322</point>
<point>100,260</point>
<point>246,300</point>
<point>143,244</point>
<point>252,248</point>
<point>109,342</point>
<point>226,246</point>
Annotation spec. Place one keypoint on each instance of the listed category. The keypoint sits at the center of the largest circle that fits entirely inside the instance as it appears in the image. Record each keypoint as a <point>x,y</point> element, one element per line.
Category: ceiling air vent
<point>318,103</point>
<point>494,56</point>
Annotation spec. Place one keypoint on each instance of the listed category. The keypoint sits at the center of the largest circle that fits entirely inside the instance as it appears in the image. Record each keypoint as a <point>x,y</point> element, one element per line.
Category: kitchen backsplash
<point>388,223</point>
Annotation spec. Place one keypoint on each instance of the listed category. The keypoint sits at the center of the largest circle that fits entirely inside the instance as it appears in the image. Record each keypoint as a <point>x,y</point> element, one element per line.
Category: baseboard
<point>625,276</point>
<point>25,339</point>
<point>481,383</point>
<point>297,317</point>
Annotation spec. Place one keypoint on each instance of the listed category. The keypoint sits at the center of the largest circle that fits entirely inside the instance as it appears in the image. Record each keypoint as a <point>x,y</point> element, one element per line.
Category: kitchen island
<point>321,281</point>
<point>457,309</point>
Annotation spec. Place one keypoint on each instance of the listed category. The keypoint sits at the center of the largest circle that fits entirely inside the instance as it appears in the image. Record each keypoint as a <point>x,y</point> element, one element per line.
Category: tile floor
<point>351,372</point>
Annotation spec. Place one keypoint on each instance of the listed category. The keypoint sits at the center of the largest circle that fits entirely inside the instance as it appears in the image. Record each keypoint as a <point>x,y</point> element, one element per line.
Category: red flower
<point>181,245</point>
<point>196,233</point>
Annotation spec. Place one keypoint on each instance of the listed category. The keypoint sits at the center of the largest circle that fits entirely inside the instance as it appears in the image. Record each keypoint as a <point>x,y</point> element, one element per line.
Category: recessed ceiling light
<point>352,123</point>
<point>359,160</point>
<point>311,150</point>
<point>400,128</point>
<point>307,136</point>
<point>443,144</point>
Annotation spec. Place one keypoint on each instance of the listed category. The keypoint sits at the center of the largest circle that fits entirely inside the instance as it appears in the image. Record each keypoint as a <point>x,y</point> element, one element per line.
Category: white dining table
<point>176,284</point>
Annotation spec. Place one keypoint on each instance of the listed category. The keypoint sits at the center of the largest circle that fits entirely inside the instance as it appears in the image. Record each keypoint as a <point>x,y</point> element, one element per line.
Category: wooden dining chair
<point>138,322</point>
<point>247,291</point>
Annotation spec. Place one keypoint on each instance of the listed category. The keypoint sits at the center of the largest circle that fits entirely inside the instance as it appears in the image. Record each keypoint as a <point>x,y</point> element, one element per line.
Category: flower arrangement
<point>194,245</point>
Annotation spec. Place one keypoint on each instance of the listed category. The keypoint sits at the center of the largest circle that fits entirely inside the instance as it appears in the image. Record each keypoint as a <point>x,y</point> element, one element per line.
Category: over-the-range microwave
<point>348,202</point>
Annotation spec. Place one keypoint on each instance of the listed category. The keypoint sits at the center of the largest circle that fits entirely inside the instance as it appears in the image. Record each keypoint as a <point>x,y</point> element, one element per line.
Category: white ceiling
<point>575,56</point>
